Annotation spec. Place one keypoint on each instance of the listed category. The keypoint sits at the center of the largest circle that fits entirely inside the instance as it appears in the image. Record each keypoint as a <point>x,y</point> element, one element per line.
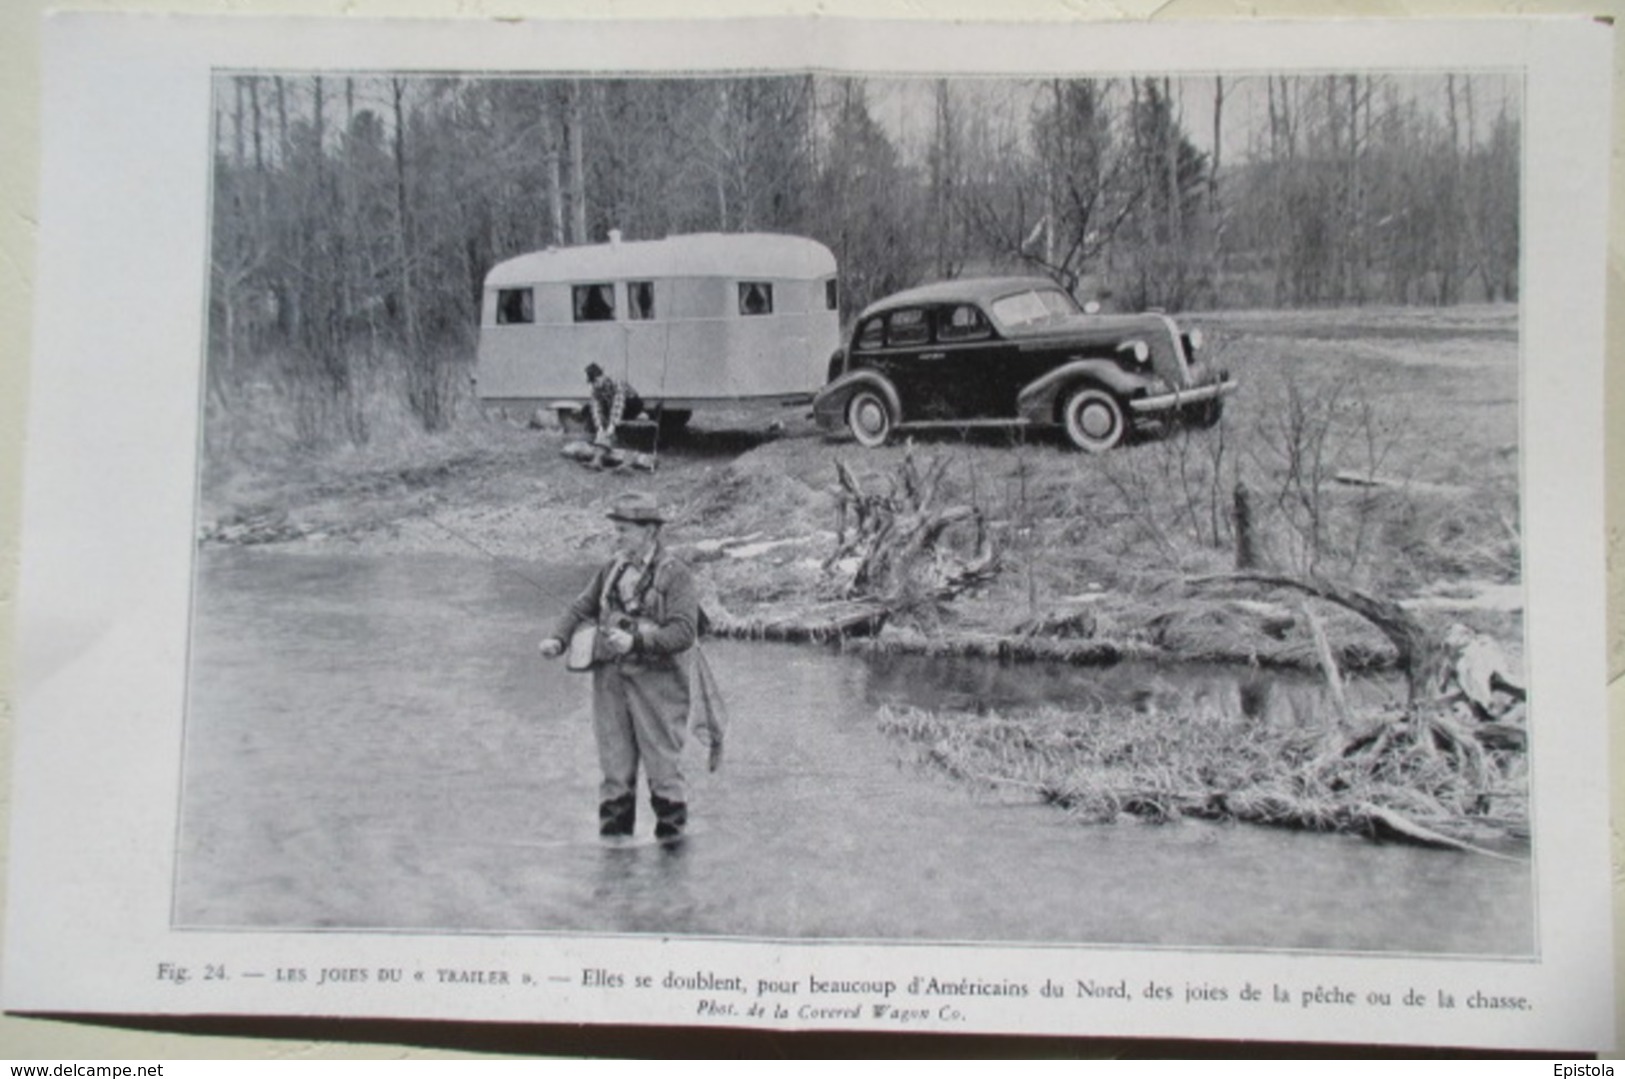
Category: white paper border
<point>108,502</point>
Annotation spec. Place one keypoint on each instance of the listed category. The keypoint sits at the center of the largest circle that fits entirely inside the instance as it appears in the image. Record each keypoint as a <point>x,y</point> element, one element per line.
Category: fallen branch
<point>841,620</point>
<point>1402,826</point>
<point>1389,483</point>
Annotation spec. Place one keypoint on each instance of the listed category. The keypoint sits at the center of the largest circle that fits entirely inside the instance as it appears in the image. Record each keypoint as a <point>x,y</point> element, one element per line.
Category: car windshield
<point>1034,305</point>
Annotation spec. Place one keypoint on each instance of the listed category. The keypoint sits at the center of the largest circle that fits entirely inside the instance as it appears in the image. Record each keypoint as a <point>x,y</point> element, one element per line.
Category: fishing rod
<point>665,365</point>
<point>499,561</point>
<point>494,557</point>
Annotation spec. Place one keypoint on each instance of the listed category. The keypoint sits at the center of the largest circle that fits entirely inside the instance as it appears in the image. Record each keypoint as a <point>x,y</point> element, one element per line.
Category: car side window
<point>907,327</point>
<point>873,334</point>
<point>964,322</point>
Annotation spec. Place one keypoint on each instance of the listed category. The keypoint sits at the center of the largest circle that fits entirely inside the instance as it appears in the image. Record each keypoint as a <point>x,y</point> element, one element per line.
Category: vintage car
<point>1015,351</point>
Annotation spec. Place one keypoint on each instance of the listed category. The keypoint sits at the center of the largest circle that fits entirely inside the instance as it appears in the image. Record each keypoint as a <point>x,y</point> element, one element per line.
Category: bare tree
<point>575,191</point>
<point>340,247</point>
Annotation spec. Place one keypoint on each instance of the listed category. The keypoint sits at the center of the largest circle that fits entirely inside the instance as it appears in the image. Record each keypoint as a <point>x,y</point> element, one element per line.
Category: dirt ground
<point>1380,446</point>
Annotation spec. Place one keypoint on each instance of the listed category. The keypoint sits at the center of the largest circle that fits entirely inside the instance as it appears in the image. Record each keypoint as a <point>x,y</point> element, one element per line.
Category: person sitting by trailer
<point>611,401</point>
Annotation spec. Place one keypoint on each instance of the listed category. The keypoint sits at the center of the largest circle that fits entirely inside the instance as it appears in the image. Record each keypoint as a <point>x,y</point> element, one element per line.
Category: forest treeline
<point>355,217</point>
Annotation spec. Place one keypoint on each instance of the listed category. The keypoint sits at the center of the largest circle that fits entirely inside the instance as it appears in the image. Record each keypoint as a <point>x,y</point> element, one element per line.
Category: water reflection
<point>1283,699</point>
<point>374,743</point>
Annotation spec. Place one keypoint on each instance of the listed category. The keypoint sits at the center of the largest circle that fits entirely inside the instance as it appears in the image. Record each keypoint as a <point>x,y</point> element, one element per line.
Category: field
<point>1374,452</point>
<point>1378,449</point>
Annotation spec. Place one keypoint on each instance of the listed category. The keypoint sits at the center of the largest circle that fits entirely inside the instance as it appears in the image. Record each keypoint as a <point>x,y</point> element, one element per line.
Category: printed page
<point>1084,529</point>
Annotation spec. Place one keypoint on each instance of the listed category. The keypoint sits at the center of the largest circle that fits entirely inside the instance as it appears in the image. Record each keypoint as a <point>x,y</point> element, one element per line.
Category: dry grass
<point>1169,761</point>
<point>1423,401</point>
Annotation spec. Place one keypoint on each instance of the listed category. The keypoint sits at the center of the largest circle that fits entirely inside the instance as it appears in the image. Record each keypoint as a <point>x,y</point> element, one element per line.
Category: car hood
<point>1160,333</point>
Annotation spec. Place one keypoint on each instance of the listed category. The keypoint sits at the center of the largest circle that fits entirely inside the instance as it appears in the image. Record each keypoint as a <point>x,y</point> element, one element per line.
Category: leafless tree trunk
<point>237,122</point>
<point>254,102</point>
<point>1451,255</point>
<point>403,219</point>
<point>1215,208</point>
<point>944,164</point>
<point>282,118</point>
<point>319,124</point>
<point>1175,262</point>
<point>555,196</point>
<point>578,169</point>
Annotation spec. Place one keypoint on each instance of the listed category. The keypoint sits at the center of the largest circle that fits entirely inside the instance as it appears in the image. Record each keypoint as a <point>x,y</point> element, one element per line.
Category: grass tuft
<point>1175,760</point>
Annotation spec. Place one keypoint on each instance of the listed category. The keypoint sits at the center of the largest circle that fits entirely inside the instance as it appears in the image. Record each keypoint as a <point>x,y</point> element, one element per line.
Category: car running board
<point>920,425</point>
<point>961,425</point>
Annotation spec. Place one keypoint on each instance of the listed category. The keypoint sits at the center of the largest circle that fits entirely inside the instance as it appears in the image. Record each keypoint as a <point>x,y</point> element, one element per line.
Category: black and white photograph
<point>828,544</point>
<point>1101,495</point>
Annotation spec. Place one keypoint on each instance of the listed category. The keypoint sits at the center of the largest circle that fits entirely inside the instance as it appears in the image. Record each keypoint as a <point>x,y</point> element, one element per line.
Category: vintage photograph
<point>1061,509</point>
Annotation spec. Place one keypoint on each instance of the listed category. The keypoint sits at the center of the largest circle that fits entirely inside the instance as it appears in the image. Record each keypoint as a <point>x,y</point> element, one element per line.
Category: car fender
<point>829,405</point>
<point>1036,402</point>
<point>837,365</point>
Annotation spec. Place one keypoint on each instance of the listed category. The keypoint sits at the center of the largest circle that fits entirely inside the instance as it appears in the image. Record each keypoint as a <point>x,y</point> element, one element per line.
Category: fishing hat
<point>636,507</point>
<point>593,370</point>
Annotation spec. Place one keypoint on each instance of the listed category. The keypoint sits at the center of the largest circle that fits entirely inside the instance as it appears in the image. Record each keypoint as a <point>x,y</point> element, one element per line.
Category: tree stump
<point>1246,538</point>
<point>889,541</point>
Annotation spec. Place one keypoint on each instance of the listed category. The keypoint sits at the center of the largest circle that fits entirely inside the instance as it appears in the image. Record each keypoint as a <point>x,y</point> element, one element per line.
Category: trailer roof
<point>707,254</point>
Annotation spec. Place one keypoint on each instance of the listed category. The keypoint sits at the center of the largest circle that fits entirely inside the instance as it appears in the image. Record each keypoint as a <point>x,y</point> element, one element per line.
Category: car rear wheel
<point>1094,419</point>
<point>870,418</point>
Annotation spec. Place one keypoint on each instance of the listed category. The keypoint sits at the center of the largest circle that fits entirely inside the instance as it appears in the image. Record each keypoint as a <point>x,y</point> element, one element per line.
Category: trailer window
<point>640,300</point>
<point>594,303</point>
<point>832,295</point>
<point>755,298</point>
<point>515,305</point>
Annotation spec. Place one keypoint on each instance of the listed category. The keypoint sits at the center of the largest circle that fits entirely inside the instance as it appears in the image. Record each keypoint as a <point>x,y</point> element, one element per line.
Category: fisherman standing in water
<point>645,611</point>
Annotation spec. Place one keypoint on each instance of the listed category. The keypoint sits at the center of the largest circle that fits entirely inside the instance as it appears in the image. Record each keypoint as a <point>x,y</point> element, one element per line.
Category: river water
<point>374,743</point>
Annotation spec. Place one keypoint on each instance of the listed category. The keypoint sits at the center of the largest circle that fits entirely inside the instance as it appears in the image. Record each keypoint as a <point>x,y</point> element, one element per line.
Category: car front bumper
<point>1195,395</point>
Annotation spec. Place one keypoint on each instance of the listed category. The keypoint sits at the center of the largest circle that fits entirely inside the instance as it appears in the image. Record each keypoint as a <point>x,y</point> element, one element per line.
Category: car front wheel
<point>1094,419</point>
<point>870,418</point>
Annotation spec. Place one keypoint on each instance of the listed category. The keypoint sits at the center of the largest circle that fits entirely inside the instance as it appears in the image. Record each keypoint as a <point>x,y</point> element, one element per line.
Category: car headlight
<point>1138,349</point>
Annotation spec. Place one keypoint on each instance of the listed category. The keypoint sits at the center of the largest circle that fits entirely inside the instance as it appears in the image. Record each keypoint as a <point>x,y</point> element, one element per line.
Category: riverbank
<point>1376,449</point>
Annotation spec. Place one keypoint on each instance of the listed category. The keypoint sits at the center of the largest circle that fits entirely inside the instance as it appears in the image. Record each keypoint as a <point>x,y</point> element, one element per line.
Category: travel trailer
<point>690,321</point>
